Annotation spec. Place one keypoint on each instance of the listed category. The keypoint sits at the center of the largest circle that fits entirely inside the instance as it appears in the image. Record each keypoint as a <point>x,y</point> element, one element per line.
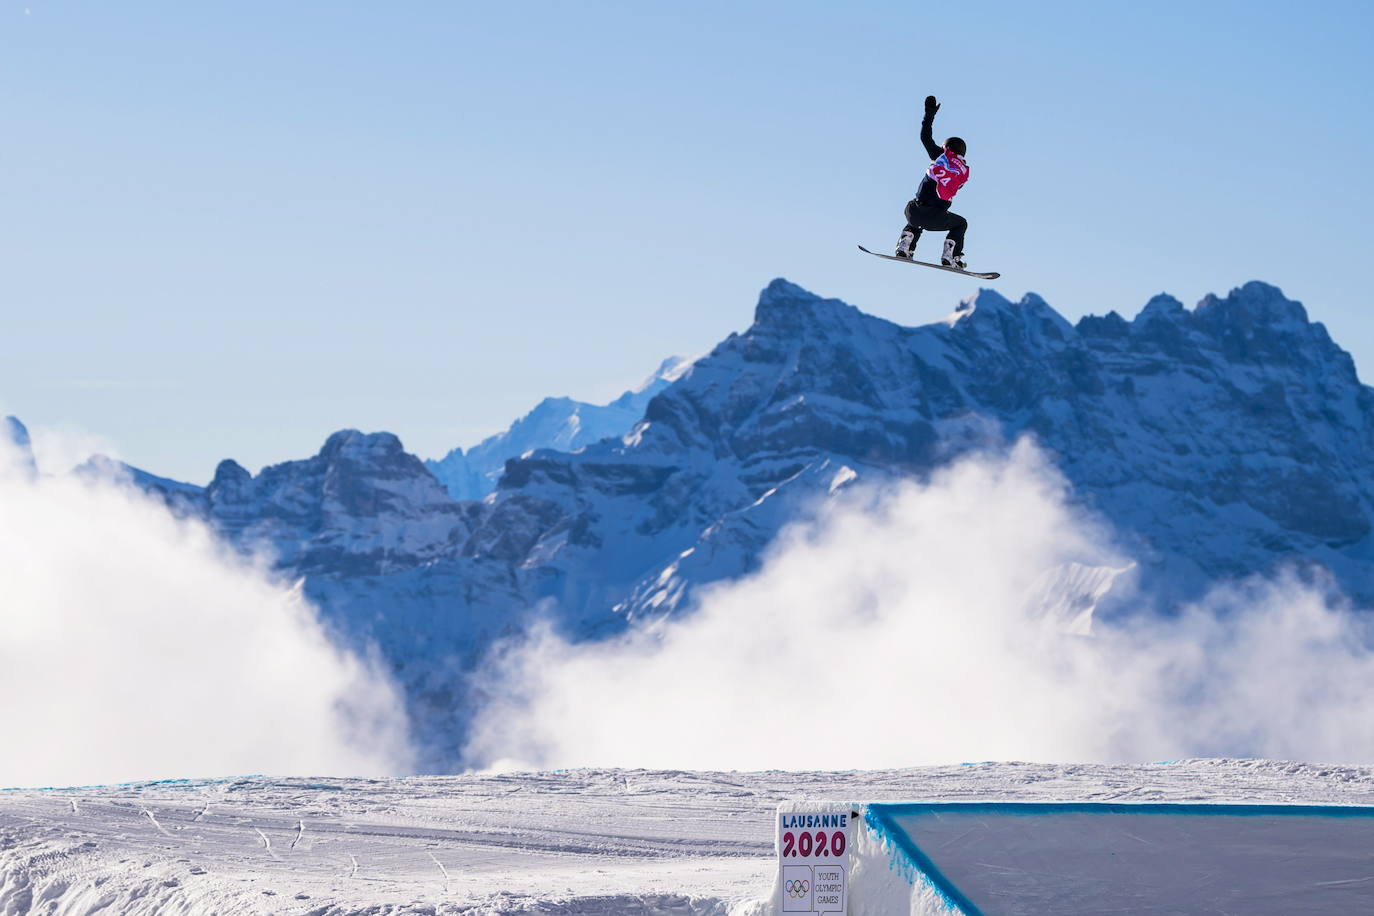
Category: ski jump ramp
<point>1074,859</point>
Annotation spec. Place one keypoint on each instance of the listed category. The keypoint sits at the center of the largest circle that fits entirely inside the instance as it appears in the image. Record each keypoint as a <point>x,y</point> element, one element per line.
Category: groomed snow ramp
<point>1071,859</point>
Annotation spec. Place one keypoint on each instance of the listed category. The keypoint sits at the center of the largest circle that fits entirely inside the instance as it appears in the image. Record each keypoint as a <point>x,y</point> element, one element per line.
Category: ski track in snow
<point>575,842</point>
<point>153,820</point>
<point>267,845</point>
<point>442,870</point>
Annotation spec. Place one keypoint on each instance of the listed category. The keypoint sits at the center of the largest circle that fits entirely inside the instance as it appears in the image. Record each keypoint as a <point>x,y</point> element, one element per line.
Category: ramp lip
<point>880,818</point>
<point>1234,809</point>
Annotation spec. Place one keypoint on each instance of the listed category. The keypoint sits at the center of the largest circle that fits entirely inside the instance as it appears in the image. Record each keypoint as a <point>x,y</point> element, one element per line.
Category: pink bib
<point>949,173</point>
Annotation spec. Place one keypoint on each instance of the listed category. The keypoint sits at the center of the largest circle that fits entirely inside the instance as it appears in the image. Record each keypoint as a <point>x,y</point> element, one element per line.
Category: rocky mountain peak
<point>995,320</point>
<point>786,307</point>
<point>781,290</point>
<point>1255,303</point>
<point>985,300</point>
<point>1163,306</point>
<point>1256,324</point>
<point>230,471</point>
<point>361,448</point>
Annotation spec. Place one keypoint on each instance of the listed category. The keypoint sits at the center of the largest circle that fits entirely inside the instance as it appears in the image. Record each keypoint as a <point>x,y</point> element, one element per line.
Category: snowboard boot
<point>906,243</point>
<point>950,259</point>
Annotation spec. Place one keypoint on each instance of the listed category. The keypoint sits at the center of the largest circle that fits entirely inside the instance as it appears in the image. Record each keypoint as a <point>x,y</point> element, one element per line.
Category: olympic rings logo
<point>798,888</point>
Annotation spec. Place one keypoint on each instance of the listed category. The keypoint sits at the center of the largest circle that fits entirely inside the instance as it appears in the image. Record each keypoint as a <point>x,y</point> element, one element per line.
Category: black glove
<point>931,106</point>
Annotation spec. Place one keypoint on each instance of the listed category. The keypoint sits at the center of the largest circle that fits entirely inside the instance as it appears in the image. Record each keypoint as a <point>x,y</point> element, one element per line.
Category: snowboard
<point>953,270</point>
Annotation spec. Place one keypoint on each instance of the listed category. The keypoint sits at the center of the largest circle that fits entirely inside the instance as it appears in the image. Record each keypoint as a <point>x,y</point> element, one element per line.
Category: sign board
<point>813,860</point>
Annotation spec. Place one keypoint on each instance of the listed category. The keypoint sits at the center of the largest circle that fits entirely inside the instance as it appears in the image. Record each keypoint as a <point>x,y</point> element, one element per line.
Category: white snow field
<point>582,841</point>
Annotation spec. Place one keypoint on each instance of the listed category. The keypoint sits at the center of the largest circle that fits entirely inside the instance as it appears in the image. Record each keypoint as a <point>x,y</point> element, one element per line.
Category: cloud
<point>934,623</point>
<point>58,449</point>
<point>134,646</point>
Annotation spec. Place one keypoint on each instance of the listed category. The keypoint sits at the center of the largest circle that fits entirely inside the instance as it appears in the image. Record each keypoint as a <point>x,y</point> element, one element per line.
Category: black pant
<point>919,217</point>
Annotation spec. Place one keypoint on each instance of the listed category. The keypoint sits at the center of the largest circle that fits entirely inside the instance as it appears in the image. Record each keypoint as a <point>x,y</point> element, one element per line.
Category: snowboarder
<point>930,208</point>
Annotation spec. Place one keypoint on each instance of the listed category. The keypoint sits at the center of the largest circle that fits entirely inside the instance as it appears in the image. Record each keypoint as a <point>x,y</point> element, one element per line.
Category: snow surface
<point>584,841</point>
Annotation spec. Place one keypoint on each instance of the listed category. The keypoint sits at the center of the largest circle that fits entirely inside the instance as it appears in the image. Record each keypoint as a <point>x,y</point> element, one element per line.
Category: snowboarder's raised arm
<point>927,125</point>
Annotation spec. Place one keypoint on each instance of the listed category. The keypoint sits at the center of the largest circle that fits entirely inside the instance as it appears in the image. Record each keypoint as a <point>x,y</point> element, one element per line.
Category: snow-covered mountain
<point>187,498</point>
<point>1219,441</point>
<point>1222,440</point>
<point>557,423</point>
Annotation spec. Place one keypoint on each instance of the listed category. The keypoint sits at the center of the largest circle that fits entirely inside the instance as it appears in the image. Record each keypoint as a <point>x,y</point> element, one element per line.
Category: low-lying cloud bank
<point>927,624</point>
<point>134,646</point>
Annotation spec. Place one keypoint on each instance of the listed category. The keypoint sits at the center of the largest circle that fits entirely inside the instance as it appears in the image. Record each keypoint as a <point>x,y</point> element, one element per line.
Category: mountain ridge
<point>555,422</point>
<point>1230,439</point>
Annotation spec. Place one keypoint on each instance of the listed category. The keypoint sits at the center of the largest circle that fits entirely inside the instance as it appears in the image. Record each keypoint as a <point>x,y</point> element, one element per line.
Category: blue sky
<point>232,228</point>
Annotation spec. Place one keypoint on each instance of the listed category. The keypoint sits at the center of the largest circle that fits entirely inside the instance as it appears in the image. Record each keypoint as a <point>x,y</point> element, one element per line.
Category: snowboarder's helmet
<point>957,146</point>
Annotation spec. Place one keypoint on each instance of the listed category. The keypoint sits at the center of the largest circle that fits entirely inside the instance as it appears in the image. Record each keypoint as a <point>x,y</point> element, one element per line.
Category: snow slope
<point>577,842</point>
